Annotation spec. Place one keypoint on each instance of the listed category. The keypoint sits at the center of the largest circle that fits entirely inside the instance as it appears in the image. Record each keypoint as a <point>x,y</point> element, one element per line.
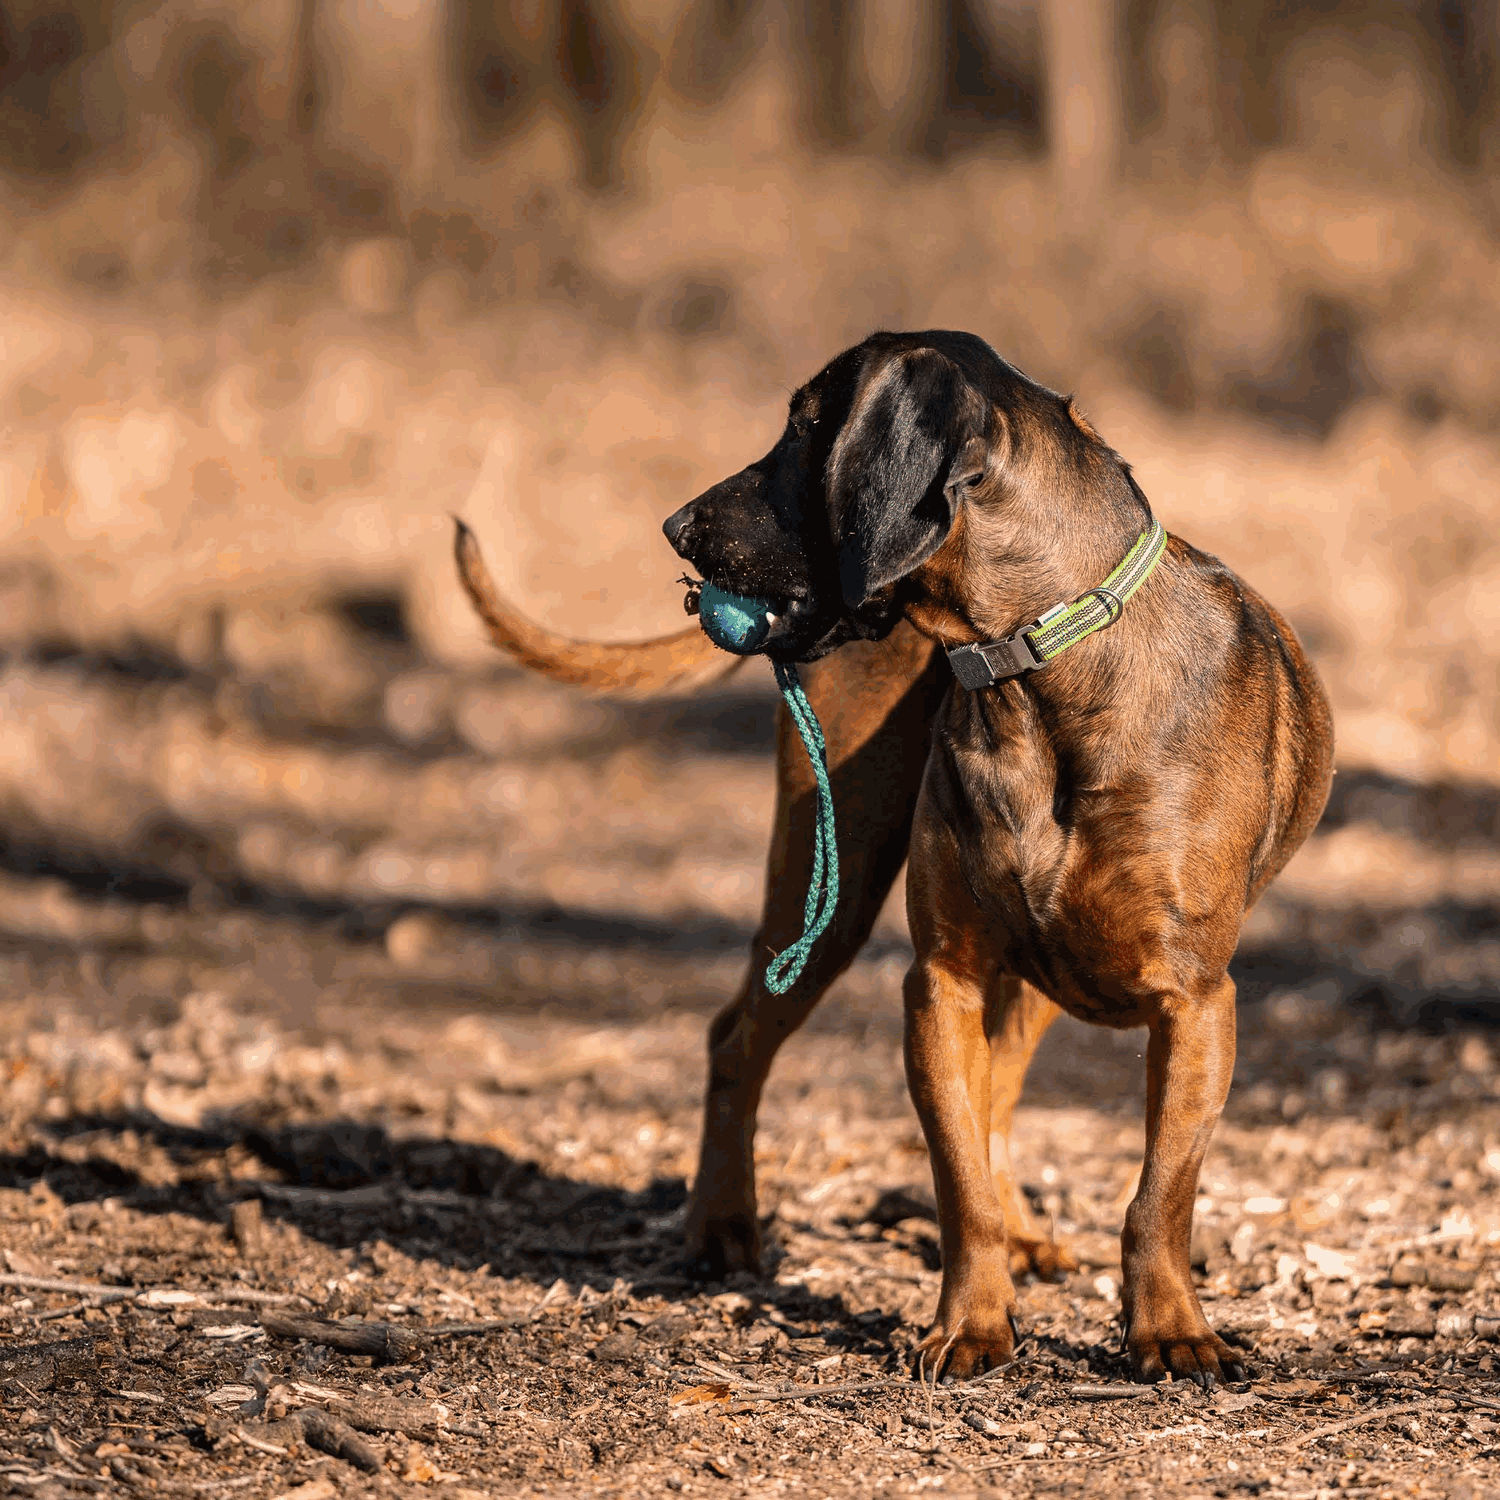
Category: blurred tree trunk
<point>389,86</point>
<point>898,72</point>
<point>281,31</point>
<point>1082,51</point>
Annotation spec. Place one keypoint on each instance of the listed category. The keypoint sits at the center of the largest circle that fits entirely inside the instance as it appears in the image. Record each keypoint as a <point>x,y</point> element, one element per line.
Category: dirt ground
<point>424,1063</point>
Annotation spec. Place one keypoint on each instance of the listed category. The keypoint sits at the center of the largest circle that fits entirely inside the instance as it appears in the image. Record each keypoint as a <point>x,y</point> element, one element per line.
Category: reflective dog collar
<point>1064,625</point>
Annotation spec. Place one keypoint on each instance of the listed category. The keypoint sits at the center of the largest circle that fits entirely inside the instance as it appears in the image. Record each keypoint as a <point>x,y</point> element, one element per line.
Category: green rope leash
<point>741,625</point>
<point>823,888</point>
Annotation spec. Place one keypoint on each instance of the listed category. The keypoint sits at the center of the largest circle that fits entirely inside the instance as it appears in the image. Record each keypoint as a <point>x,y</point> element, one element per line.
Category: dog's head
<point>893,455</point>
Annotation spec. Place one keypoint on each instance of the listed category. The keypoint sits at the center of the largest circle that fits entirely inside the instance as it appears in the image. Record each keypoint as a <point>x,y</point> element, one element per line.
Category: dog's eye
<point>973,481</point>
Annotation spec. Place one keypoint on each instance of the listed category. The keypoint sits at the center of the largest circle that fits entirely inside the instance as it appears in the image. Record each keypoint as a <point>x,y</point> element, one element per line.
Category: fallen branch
<point>1110,1392</point>
<point>1405,1409</point>
<point>387,1341</point>
<point>328,1434</point>
<point>410,1418</point>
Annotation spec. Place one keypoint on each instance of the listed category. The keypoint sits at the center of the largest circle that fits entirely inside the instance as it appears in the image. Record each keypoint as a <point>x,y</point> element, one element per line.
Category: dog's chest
<point>1070,867</point>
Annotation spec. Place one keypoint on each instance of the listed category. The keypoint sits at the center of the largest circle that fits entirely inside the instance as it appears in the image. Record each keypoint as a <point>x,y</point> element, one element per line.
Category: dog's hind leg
<point>875,703</point>
<point>1021,1015</point>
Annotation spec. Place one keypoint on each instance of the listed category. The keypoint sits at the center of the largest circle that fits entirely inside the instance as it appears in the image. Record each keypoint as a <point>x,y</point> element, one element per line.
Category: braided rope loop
<point>823,888</point>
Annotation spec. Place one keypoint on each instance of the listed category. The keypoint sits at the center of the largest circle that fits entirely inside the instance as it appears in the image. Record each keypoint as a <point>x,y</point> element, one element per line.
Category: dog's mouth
<point>784,613</point>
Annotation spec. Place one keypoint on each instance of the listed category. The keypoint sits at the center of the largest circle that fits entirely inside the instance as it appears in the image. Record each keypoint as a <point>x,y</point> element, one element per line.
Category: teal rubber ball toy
<point>733,622</point>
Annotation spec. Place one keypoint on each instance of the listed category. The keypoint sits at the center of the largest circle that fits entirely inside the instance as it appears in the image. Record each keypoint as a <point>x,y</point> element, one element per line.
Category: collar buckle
<point>981,666</point>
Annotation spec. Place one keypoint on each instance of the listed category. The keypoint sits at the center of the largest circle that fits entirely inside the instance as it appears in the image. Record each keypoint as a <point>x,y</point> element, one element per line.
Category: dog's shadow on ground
<point>348,1185</point>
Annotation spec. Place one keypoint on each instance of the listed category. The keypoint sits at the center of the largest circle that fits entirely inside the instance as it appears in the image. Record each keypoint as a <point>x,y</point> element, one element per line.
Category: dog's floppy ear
<point>892,477</point>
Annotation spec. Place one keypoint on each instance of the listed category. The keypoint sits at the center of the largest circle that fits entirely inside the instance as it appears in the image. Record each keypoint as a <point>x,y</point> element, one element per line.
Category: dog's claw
<point>1202,1358</point>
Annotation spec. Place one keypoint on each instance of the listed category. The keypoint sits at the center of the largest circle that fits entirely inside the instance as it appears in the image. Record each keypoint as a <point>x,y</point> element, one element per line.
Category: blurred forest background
<point>283,284</point>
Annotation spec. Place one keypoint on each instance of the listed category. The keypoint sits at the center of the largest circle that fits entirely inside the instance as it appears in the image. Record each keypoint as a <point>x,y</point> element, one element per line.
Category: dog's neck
<point>1025,561</point>
<point>1032,557</point>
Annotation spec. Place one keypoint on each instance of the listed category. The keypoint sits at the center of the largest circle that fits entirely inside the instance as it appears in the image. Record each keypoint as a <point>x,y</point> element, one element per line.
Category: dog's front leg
<point>875,701</point>
<point>948,1071</point>
<point>1189,1063</point>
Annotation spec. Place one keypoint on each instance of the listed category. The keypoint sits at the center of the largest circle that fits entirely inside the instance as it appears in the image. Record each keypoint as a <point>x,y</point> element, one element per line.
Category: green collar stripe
<point>1094,610</point>
<point>1034,645</point>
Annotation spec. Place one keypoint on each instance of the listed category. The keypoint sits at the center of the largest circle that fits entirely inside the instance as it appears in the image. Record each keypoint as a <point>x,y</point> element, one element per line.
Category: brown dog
<point>1083,836</point>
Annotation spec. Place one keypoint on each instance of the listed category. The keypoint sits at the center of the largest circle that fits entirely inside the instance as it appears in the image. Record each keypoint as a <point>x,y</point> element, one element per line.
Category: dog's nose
<point>679,529</point>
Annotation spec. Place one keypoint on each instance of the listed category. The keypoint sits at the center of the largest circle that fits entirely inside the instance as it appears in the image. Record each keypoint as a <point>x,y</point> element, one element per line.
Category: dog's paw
<point>1046,1259</point>
<point>977,1346</point>
<point>1200,1355</point>
<point>718,1246</point>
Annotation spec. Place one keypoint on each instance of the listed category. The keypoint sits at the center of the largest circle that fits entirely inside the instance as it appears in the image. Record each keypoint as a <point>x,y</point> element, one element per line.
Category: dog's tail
<point>639,669</point>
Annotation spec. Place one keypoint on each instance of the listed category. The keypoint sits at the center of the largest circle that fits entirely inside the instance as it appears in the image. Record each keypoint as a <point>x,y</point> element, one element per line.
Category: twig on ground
<point>816,1392</point>
<point>100,1294</point>
<point>77,1288</point>
<point>388,1341</point>
<point>1110,1392</point>
<point>937,1366</point>
<point>1405,1409</point>
<point>259,1444</point>
<point>59,1312</point>
<point>73,1480</point>
<point>460,1330</point>
<point>252,1298</point>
